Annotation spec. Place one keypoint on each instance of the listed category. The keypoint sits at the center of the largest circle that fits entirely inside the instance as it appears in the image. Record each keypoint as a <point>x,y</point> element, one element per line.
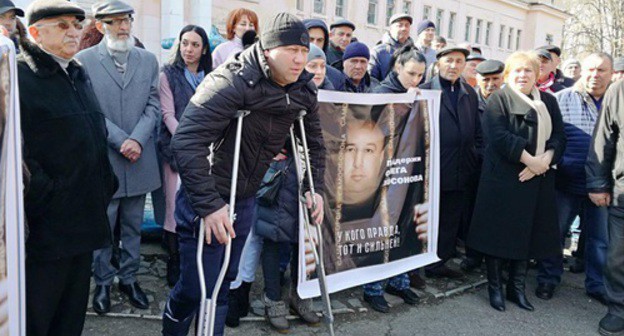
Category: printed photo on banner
<point>380,178</point>
<point>11,199</point>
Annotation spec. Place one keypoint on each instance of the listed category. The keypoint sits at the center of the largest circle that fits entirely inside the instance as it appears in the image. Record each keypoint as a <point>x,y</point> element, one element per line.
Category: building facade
<point>499,27</point>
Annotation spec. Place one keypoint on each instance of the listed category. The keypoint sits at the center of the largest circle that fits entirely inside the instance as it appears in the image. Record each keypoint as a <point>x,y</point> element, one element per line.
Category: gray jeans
<point>130,213</point>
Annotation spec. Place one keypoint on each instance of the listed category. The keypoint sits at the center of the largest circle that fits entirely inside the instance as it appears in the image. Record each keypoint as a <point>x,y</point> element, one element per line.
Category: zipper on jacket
<point>287,99</point>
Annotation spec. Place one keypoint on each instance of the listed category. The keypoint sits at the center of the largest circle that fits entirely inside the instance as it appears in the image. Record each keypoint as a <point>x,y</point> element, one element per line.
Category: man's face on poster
<point>364,154</point>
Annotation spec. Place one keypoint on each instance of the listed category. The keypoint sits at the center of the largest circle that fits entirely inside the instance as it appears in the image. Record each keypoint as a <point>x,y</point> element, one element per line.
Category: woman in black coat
<point>514,216</point>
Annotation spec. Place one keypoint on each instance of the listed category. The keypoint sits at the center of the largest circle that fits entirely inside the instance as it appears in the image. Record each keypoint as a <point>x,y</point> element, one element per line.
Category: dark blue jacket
<point>579,114</point>
<point>381,56</point>
<point>278,222</point>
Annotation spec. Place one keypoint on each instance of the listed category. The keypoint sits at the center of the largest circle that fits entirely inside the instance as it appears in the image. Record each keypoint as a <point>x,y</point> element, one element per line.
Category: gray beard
<point>119,46</point>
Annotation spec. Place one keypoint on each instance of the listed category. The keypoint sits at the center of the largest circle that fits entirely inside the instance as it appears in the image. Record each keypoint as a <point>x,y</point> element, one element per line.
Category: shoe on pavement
<point>378,303</point>
<point>416,281</point>
<point>545,291</point>
<point>275,313</point>
<point>406,294</point>
<point>577,267</point>
<point>611,325</point>
<point>135,294</point>
<point>305,310</point>
<point>101,299</point>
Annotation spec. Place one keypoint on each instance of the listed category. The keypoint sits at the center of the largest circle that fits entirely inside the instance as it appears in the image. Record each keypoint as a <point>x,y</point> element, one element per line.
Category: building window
<point>518,34</point>
<point>340,4</point>
<point>389,10</point>
<point>451,27</point>
<point>488,33</point>
<point>300,5</point>
<point>407,7</point>
<point>372,12</point>
<point>549,39</point>
<point>501,36</point>
<point>319,6</point>
<point>510,38</point>
<point>468,28</point>
<point>426,12</point>
<point>478,31</point>
<point>438,23</point>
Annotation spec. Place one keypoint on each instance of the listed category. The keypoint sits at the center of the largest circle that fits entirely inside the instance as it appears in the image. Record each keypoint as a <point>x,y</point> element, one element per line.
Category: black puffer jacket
<point>243,83</point>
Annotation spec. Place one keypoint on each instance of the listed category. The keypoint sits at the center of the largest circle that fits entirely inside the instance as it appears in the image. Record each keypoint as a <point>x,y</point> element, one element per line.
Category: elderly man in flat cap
<point>340,35</point>
<point>460,147</point>
<point>125,80</point>
<point>489,80</point>
<point>397,36</point>
<point>72,179</point>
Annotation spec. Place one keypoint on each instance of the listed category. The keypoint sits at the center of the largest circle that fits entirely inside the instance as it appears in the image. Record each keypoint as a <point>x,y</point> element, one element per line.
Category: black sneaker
<point>611,325</point>
<point>600,297</point>
<point>408,296</point>
<point>377,302</point>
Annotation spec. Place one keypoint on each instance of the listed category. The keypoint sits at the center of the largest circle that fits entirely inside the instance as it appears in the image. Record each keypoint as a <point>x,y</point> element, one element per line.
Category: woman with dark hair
<point>238,22</point>
<point>190,62</point>
<point>408,68</point>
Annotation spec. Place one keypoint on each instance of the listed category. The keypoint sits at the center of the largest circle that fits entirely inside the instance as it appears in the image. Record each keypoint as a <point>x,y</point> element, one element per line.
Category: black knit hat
<point>42,9</point>
<point>282,30</point>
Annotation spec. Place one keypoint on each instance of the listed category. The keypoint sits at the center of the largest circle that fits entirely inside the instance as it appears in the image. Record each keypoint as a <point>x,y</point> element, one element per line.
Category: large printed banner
<point>12,303</point>
<point>381,163</point>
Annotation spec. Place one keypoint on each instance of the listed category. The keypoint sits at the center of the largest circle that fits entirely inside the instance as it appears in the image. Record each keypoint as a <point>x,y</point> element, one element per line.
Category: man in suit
<point>125,80</point>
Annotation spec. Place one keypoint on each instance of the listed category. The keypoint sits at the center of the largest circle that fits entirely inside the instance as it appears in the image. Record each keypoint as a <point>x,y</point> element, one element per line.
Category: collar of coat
<point>387,39</point>
<point>436,84</point>
<point>42,64</point>
<point>252,66</point>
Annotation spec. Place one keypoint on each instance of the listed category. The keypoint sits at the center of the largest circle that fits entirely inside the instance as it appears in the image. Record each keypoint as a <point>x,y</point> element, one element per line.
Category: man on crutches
<point>269,81</point>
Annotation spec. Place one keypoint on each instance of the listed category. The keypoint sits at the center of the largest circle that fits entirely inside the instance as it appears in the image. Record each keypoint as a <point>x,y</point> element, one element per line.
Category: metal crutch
<point>208,306</point>
<point>328,316</point>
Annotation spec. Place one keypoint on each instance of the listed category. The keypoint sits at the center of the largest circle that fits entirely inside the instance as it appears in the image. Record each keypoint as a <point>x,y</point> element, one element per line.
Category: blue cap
<point>356,49</point>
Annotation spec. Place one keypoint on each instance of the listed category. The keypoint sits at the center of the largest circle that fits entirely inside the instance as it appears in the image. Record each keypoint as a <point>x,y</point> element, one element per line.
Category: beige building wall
<point>514,24</point>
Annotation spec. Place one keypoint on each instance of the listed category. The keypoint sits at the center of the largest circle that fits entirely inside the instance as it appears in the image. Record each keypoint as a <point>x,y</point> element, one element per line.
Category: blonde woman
<point>514,216</point>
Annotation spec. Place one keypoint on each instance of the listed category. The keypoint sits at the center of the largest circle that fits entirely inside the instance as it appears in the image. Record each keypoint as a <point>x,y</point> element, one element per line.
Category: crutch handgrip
<point>208,306</point>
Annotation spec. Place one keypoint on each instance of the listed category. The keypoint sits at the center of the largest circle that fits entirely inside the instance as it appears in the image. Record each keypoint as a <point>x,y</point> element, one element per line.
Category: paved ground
<point>448,308</point>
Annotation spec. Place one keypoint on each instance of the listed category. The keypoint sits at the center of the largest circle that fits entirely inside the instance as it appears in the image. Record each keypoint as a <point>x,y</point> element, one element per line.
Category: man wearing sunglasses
<point>125,81</point>
<point>72,180</point>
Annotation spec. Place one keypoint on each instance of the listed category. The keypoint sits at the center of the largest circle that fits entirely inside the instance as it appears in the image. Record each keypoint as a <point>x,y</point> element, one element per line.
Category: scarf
<point>545,87</point>
<point>193,79</point>
<point>544,123</point>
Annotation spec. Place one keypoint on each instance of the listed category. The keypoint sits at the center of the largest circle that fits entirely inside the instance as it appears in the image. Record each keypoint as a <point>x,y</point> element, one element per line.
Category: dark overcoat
<point>513,219</point>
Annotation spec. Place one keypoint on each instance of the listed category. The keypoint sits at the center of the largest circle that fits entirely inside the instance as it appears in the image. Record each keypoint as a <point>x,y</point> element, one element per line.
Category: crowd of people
<point>526,147</point>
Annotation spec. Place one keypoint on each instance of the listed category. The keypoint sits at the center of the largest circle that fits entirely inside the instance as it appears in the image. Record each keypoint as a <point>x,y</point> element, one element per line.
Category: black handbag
<point>272,183</point>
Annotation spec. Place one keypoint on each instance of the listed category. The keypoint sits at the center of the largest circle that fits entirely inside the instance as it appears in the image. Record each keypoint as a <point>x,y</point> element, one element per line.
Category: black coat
<point>242,83</point>
<point>65,149</point>
<point>461,138</point>
<point>513,219</point>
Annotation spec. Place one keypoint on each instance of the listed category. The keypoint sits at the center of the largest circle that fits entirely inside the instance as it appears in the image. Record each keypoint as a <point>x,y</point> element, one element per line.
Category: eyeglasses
<point>118,22</point>
<point>64,25</point>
